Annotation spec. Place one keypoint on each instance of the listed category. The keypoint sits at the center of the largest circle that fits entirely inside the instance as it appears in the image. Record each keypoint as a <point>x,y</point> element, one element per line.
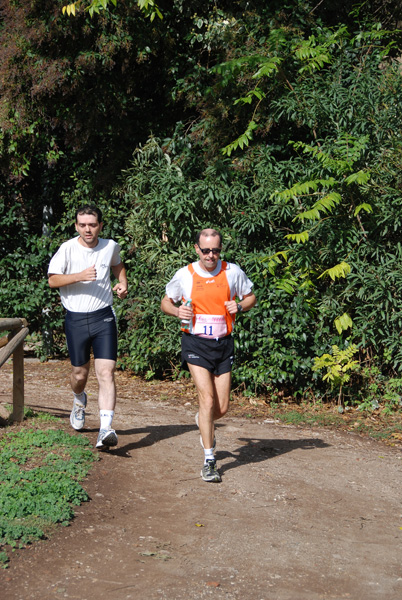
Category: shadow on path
<point>254,450</point>
<point>260,449</point>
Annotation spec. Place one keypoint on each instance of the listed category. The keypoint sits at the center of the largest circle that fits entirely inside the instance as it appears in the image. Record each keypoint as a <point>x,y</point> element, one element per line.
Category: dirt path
<point>301,514</point>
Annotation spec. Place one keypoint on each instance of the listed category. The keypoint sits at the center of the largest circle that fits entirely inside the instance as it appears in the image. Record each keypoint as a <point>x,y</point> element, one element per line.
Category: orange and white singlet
<point>208,292</point>
<point>208,296</point>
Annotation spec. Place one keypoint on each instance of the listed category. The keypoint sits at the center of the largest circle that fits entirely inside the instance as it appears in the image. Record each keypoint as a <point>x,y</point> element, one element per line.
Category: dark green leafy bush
<point>279,125</point>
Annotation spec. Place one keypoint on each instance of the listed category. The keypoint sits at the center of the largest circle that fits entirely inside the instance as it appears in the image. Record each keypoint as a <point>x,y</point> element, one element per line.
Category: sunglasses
<point>206,251</point>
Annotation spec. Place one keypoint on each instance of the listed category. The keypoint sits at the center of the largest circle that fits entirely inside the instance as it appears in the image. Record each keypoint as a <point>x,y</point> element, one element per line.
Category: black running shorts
<point>216,356</point>
<point>96,330</point>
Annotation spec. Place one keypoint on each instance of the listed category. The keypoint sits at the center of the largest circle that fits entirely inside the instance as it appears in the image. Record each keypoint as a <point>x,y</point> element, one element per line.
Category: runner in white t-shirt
<point>212,286</point>
<point>81,269</point>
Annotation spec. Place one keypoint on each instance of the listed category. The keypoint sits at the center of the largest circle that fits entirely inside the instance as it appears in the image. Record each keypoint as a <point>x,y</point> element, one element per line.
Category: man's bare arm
<point>181,312</point>
<point>120,288</point>
<point>247,302</point>
<point>57,280</point>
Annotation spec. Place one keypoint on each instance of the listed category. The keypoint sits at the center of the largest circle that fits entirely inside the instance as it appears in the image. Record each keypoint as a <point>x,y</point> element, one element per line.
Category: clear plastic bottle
<point>185,323</point>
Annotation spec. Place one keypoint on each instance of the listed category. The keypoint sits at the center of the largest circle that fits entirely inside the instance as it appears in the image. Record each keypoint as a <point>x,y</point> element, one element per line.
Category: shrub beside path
<point>301,514</point>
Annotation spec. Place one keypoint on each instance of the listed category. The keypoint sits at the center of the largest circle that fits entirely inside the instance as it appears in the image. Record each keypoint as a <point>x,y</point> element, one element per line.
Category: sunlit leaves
<point>365,206</point>
<point>340,270</point>
<point>70,9</point>
<point>300,238</point>
<point>315,51</point>
<point>361,177</point>
<point>268,67</point>
<point>346,150</point>
<point>338,366</point>
<point>323,205</point>
<point>343,323</point>
<point>242,141</point>
<point>248,98</point>
<point>312,54</point>
<point>148,7</point>
<point>303,188</point>
<point>276,259</point>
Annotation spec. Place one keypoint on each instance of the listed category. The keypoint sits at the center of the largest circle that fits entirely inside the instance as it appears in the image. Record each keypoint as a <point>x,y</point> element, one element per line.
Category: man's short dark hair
<point>213,233</point>
<point>89,209</point>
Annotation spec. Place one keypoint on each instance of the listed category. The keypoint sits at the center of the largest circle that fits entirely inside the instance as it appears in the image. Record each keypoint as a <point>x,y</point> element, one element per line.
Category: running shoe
<point>201,442</point>
<point>106,438</point>
<point>77,416</point>
<point>209,472</point>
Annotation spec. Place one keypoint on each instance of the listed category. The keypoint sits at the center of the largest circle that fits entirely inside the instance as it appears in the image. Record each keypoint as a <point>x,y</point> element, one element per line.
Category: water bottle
<point>185,323</point>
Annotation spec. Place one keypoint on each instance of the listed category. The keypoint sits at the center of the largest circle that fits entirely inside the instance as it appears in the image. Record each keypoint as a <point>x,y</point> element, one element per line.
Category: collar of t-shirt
<point>200,271</point>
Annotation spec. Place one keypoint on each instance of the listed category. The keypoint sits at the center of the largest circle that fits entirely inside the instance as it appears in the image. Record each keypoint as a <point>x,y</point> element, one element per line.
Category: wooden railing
<point>13,343</point>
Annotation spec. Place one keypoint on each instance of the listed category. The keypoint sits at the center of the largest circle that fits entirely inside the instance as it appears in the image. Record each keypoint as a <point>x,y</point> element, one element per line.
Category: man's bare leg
<point>222,394</point>
<point>104,369</point>
<point>213,395</point>
<point>79,377</point>
<point>78,380</point>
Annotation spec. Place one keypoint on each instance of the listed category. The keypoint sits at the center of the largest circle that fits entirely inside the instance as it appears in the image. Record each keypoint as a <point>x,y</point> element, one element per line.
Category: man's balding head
<point>209,233</point>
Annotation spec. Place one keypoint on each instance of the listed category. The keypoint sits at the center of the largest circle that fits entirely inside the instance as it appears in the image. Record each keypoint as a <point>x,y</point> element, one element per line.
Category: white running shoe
<point>77,415</point>
<point>209,472</point>
<point>106,438</point>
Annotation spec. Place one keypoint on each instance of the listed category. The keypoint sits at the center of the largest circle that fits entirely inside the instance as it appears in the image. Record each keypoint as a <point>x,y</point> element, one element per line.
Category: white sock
<point>80,398</point>
<point>209,454</point>
<point>106,418</point>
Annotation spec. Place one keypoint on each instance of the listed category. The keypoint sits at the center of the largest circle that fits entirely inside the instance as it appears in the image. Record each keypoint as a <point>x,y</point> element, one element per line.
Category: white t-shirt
<point>72,257</point>
<point>181,284</point>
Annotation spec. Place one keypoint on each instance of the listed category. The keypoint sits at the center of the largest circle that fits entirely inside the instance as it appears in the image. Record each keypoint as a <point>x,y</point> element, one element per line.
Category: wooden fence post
<point>15,346</point>
<point>18,382</point>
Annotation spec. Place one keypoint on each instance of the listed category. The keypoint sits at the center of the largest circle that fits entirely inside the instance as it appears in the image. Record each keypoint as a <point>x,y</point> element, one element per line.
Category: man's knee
<point>105,369</point>
<point>79,374</point>
<point>206,400</point>
<point>220,411</point>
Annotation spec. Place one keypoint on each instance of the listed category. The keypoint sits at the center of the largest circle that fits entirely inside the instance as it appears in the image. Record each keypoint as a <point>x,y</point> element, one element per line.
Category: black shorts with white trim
<point>215,355</point>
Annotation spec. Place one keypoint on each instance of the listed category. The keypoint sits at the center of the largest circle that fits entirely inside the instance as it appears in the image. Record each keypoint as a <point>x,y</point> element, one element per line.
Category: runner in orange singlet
<point>212,286</point>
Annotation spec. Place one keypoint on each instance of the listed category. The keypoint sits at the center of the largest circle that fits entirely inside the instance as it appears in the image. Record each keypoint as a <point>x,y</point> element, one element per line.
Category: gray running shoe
<point>106,438</point>
<point>214,443</point>
<point>209,472</point>
<point>77,416</point>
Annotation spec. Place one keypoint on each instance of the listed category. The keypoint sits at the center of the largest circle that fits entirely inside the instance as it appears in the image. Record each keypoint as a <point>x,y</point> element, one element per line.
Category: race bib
<point>210,326</point>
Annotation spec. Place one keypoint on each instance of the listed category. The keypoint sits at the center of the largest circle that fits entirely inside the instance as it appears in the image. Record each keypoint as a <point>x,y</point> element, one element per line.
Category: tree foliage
<point>278,123</point>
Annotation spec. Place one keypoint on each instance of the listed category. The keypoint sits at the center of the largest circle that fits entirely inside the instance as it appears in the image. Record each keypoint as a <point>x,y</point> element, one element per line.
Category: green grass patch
<point>391,432</point>
<point>30,413</point>
<point>40,474</point>
<point>378,425</point>
<point>312,418</point>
